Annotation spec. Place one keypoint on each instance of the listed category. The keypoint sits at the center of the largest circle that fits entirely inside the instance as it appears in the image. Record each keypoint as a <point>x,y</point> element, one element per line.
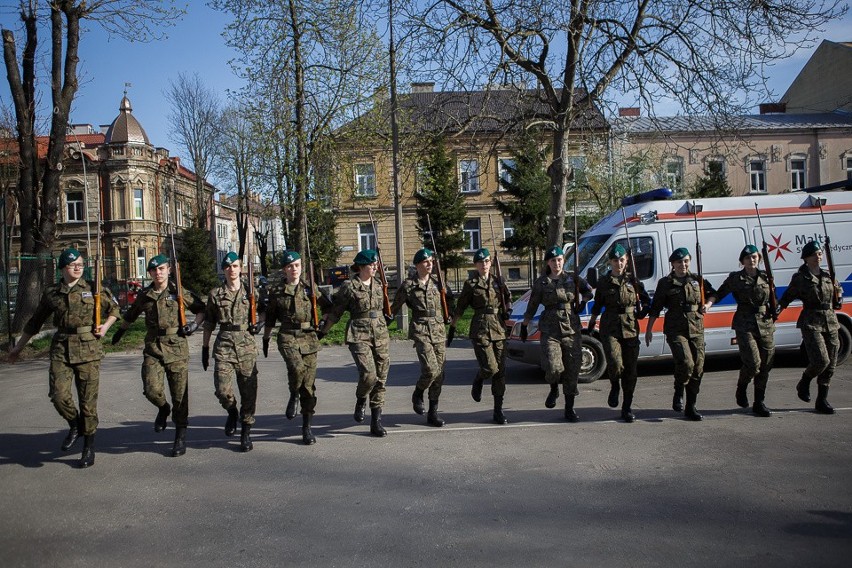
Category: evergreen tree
<point>197,262</point>
<point>438,197</point>
<point>713,184</point>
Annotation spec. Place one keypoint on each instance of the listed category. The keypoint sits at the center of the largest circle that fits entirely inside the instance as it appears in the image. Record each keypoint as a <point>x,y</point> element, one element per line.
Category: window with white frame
<point>469,176</point>
<point>674,173</point>
<point>472,235</point>
<point>178,213</point>
<point>140,263</point>
<point>138,209</point>
<point>504,174</point>
<point>366,236</point>
<point>508,227</point>
<point>74,207</point>
<point>578,169</point>
<point>167,211</point>
<point>633,173</point>
<point>365,180</point>
<point>757,175</point>
<point>421,177</point>
<point>715,167</point>
<point>797,173</point>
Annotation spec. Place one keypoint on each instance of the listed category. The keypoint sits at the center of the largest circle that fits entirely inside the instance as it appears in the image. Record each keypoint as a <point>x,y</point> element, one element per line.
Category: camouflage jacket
<point>616,296</point>
<point>752,297</point>
<point>364,301</point>
<point>681,298</point>
<point>73,311</point>
<point>816,294</point>
<point>230,311</point>
<point>557,295</point>
<point>483,295</point>
<point>291,305</point>
<point>427,318</point>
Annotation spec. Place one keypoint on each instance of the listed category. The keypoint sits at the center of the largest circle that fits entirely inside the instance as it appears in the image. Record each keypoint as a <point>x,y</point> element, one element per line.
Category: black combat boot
<point>292,405</point>
<point>433,418</point>
<point>74,427</point>
<point>612,399</point>
<point>476,389</point>
<point>245,438</point>
<point>417,401</point>
<point>162,418</point>
<point>552,396</point>
<point>742,396</point>
<point>376,428</point>
<point>307,436</point>
<point>499,417</point>
<point>231,421</point>
<point>179,447</point>
<point>626,411</point>
<point>691,413</point>
<point>803,389</point>
<point>677,400</point>
<point>88,457</point>
<point>822,406</point>
<point>360,405</point>
<point>570,415</point>
<point>759,408</point>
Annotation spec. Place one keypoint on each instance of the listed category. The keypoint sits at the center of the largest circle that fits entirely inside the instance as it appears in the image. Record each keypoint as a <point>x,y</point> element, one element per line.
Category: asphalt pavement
<point>732,490</point>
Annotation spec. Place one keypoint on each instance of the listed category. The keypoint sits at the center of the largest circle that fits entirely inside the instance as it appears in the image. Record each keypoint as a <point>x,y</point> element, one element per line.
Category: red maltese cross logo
<point>778,247</point>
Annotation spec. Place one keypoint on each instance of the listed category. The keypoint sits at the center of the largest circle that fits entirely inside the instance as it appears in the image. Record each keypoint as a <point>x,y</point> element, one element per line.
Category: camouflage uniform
<point>619,330</point>
<point>166,354</point>
<point>75,353</point>
<point>235,350</point>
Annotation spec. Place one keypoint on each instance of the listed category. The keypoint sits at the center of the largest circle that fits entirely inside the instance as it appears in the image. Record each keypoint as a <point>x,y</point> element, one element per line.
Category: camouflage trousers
<point>86,378</point>
<point>301,376</point>
<point>561,357</point>
<point>154,375</point>
<point>688,355</point>
<point>757,353</point>
<point>491,356</point>
<point>431,356</point>
<point>622,355</point>
<point>245,373</point>
<point>373,362</point>
<point>822,348</point>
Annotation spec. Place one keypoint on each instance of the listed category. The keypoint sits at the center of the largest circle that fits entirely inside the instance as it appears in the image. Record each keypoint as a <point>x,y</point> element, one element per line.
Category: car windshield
<point>589,247</point>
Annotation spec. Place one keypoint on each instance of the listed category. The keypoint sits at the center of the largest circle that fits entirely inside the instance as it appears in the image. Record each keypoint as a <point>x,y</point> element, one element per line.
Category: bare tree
<point>37,189</point>
<point>196,118</point>
<point>707,57</point>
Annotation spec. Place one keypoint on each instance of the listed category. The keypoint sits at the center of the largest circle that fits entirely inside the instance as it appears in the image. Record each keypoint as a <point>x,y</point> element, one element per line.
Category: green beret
<point>481,255</point>
<point>229,259</point>
<point>422,255</point>
<point>679,254</point>
<point>617,252</point>
<point>366,256</point>
<point>811,248</point>
<point>289,257</point>
<point>157,261</point>
<point>68,256</point>
<point>748,250</point>
<point>553,252</point>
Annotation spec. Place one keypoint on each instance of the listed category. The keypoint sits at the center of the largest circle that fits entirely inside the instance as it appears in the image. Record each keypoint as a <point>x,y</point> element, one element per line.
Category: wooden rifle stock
<point>829,258</point>
<point>311,280</point>
<point>773,298</point>
<point>386,305</point>
<point>634,275</point>
<point>499,273</point>
<point>445,307</point>
<point>180,300</point>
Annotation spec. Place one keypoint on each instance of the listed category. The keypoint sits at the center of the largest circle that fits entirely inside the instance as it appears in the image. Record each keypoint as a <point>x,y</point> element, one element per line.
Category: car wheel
<point>592,361</point>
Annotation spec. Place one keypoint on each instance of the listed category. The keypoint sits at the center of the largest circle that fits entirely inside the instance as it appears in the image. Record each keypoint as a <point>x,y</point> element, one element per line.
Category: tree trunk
<point>560,174</point>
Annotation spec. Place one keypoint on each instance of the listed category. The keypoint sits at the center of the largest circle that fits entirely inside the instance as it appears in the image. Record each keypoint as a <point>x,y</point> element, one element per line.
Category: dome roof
<point>125,128</point>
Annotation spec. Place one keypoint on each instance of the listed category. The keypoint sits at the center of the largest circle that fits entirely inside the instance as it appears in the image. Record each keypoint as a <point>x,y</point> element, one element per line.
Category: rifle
<point>698,253</point>
<point>445,308</point>
<point>181,312</point>
<point>773,299</point>
<point>576,265</point>
<point>311,280</point>
<point>838,296</point>
<point>96,324</point>
<point>251,297</point>
<point>635,278</point>
<point>499,273</point>
<point>386,306</point>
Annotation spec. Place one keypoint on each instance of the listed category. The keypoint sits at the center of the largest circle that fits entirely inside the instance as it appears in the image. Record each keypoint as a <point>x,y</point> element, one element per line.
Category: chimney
<point>425,87</point>
<point>628,111</point>
<point>773,108</point>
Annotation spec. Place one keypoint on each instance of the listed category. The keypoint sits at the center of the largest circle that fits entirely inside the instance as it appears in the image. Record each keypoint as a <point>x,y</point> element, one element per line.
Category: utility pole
<point>402,318</point>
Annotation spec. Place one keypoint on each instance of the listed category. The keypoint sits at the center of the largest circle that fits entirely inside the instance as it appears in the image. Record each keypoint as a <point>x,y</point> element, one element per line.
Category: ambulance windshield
<point>589,247</point>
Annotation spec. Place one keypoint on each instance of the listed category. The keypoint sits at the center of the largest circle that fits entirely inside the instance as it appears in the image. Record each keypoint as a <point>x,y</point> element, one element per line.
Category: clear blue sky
<point>194,45</point>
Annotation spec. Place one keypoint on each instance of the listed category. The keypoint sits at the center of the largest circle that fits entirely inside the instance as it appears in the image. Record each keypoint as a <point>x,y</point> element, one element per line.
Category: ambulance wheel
<point>593,360</point>
<point>845,346</point>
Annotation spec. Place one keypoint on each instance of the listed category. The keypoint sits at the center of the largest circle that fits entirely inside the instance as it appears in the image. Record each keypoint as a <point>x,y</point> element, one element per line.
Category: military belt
<point>372,314</point>
<point>487,311</point>
<point>753,309</point>
<point>233,327</point>
<point>75,330</point>
<point>167,331</point>
<point>423,313</point>
<point>296,326</point>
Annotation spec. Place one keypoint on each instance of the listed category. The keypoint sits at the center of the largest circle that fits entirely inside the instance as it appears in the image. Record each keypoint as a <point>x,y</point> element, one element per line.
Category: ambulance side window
<point>643,255</point>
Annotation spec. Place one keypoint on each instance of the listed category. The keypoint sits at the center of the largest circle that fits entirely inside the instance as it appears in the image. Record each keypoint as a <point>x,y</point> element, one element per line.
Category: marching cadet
<point>620,295</point>
<point>559,326</point>
<point>820,296</point>
<point>680,294</point>
<point>487,329</point>
<point>166,353</point>
<point>298,340</point>
<point>422,294</point>
<point>366,334</point>
<point>75,350</point>
<point>235,351</point>
<point>754,325</point>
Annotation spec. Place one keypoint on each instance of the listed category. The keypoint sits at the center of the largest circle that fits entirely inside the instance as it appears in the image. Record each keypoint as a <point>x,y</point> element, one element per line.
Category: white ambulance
<point>658,225</point>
